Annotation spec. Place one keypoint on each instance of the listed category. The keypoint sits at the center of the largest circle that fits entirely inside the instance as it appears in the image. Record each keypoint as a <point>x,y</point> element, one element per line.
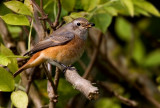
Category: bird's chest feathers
<point>71,51</point>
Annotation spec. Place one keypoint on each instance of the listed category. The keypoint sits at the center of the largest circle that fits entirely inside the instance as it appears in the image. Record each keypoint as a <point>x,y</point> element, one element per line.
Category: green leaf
<point>67,19</point>
<point>13,66</point>
<point>3,7</point>
<point>74,15</point>
<point>138,52</point>
<point>19,99</point>
<point>18,7</point>
<point>15,19</point>
<point>129,6</point>
<point>6,81</point>
<point>153,59</point>
<point>14,30</point>
<point>4,60</point>
<point>29,5</point>
<point>65,95</point>
<point>141,11</point>
<point>123,29</point>
<point>68,5</point>
<point>111,10</point>
<point>102,21</point>
<point>88,5</point>
<point>146,6</point>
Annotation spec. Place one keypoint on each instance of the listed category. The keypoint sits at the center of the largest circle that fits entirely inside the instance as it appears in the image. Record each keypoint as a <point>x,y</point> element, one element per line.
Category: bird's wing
<point>55,40</point>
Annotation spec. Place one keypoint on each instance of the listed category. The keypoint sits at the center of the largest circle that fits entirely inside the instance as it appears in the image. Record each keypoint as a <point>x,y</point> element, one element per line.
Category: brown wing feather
<point>55,40</point>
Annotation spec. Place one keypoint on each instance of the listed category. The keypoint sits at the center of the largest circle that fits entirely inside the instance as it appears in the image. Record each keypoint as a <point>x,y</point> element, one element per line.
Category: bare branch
<point>50,87</point>
<point>81,84</point>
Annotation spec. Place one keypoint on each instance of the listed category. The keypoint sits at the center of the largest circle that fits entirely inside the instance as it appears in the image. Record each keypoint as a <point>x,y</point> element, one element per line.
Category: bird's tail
<point>37,60</point>
<point>18,72</point>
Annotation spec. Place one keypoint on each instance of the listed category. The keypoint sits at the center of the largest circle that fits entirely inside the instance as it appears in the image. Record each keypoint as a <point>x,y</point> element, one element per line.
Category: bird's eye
<point>78,24</point>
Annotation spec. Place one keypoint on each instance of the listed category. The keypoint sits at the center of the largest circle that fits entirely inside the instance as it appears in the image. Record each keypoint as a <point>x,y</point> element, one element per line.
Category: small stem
<point>56,77</point>
<point>29,37</point>
<point>56,22</point>
<point>30,79</point>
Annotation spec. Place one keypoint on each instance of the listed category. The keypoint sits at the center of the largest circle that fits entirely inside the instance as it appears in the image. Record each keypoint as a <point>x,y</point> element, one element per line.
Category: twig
<point>34,95</point>
<point>56,22</point>
<point>93,58</point>
<point>56,78</point>
<point>51,88</point>
<point>82,64</point>
<point>43,22</point>
<point>124,100</point>
<point>30,80</point>
<point>44,16</point>
<point>6,36</point>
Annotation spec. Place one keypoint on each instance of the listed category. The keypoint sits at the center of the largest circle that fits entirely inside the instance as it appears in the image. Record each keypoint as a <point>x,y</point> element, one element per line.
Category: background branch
<point>56,22</point>
<point>93,58</point>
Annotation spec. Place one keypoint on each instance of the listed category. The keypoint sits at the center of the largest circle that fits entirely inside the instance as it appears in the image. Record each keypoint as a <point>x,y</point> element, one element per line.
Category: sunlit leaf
<point>13,66</point>
<point>68,5</point>
<point>111,10</point>
<point>74,15</point>
<point>89,4</point>
<point>146,6</point>
<point>15,19</point>
<point>6,81</point>
<point>102,21</point>
<point>153,59</point>
<point>29,5</point>
<point>67,19</point>
<point>78,14</point>
<point>129,6</point>
<point>18,7</point>
<point>4,60</point>
<point>19,99</point>
<point>123,29</point>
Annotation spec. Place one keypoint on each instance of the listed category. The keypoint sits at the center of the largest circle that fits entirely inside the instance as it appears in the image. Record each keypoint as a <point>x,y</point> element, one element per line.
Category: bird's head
<point>82,23</point>
<point>80,26</point>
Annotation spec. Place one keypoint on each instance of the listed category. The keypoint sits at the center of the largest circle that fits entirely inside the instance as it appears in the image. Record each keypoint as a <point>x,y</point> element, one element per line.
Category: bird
<point>62,48</point>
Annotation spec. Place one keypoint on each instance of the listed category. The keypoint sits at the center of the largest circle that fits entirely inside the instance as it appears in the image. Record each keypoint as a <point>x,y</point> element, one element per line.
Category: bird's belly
<point>70,55</point>
<point>66,54</point>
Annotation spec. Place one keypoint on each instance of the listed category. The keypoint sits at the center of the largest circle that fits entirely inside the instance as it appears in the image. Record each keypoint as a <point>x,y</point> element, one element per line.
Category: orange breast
<point>66,54</point>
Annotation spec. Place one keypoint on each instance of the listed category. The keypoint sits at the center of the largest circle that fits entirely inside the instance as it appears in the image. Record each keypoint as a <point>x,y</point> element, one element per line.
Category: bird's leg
<point>70,67</point>
<point>61,66</point>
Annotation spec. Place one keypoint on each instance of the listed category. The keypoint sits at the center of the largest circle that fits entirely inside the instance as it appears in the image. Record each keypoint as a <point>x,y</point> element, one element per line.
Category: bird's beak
<point>89,25</point>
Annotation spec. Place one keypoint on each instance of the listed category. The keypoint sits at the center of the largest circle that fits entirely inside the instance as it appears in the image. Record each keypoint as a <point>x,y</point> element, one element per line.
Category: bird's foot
<point>70,67</point>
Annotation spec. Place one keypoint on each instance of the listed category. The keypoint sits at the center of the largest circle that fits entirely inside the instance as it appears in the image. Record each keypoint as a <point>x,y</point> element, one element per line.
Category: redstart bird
<point>62,48</point>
